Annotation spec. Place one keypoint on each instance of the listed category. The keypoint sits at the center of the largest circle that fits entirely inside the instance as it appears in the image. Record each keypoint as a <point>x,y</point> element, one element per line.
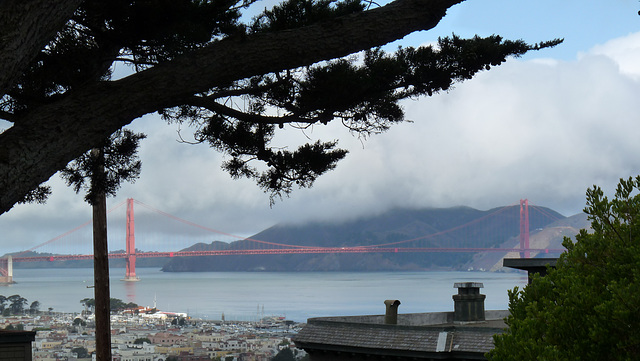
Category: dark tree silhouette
<point>236,83</point>
<point>284,355</point>
<point>17,304</point>
<point>117,155</point>
<point>34,307</point>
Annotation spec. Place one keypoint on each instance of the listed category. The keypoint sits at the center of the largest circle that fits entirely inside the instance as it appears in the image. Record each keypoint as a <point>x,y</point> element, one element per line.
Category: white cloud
<point>625,51</point>
<point>538,129</point>
<point>545,130</point>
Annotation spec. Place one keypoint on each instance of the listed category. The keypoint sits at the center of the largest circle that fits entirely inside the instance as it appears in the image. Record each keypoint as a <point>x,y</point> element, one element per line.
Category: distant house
<point>185,356</point>
<point>464,334</point>
<point>167,339</point>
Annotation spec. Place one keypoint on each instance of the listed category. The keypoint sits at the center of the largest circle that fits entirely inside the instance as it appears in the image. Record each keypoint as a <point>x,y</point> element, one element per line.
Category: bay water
<point>247,296</point>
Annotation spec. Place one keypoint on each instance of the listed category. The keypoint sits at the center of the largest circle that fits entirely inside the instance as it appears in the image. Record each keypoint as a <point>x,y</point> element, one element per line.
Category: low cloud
<point>540,129</point>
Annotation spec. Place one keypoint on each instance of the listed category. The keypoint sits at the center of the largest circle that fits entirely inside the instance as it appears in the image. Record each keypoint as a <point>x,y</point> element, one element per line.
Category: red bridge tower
<point>130,274</point>
<point>524,228</point>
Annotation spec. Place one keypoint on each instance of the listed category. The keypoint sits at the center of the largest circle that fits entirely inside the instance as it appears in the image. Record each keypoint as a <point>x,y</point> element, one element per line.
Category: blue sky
<point>544,127</point>
<point>582,23</point>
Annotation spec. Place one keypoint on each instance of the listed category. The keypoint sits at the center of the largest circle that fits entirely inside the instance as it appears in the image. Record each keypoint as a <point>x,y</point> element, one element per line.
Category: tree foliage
<point>235,83</point>
<point>88,303</point>
<point>34,307</point>
<point>141,340</point>
<point>587,308</point>
<point>284,355</point>
<point>18,327</point>
<point>81,352</point>
<point>17,304</point>
<point>103,169</point>
<point>179,321</point>
<point>115,304</point>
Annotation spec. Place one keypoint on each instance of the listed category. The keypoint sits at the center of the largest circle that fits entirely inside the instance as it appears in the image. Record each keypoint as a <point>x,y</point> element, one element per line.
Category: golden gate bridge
<point>252,246</point>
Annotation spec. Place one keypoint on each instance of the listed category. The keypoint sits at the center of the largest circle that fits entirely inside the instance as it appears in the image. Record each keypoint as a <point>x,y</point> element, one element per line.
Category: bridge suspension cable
<point>217,231</point>
<point>282,248</point>
<point>65,234</point>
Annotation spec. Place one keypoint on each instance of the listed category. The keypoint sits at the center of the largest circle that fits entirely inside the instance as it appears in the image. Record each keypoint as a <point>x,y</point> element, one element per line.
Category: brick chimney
<point>468,303</point>
<point>391,316</point>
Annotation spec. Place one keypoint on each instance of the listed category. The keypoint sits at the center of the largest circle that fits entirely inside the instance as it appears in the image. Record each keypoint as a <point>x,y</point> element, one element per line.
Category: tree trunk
<point>45,139</point>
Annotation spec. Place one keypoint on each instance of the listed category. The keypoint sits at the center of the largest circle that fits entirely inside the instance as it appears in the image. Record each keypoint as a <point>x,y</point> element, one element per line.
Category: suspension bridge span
<point>258,247</point>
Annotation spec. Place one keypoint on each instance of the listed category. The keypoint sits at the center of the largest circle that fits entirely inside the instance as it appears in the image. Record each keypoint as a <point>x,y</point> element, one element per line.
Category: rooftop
<point>434,335</point>
<point>416,335</point>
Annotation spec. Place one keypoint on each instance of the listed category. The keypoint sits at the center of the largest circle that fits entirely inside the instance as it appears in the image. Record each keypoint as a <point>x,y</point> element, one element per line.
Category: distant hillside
<point>471,227</point>
<point>549,237</point>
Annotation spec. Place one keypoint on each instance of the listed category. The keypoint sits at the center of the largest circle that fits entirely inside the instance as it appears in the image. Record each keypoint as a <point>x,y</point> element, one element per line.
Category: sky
<point>544,127</point>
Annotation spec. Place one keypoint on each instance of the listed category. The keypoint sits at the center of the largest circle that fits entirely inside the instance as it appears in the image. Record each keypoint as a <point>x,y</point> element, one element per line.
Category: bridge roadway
<point>307,250</point>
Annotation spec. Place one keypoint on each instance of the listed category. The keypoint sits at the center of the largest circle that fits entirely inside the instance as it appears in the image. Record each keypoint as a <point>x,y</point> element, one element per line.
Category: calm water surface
<point>246,295</point>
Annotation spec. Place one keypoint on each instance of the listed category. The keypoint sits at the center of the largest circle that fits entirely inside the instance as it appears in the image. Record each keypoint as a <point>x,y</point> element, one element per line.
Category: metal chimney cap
<point>468,285</point>
<point>392,302</point>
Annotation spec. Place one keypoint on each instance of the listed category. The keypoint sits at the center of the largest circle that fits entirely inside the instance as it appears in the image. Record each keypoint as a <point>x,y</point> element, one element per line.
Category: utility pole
<point>119,150</point>
<point>101,265</point>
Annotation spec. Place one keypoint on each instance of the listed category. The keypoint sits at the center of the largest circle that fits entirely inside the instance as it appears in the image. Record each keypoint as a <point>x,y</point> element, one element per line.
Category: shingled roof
<point>364,335</point>
<point>465,334</point>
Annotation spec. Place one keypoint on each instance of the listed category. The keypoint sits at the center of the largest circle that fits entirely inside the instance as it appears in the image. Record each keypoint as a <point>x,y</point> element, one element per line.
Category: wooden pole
<point>101,271</point>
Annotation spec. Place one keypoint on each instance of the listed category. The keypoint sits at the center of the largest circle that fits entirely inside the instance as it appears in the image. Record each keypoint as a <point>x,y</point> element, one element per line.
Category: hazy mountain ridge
<point>394,226</point>
<point>389,228</point>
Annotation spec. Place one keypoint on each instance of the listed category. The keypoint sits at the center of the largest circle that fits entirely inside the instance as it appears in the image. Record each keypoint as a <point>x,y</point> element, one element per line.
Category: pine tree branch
<point>46,138</point>
<point>212,105</point>
<point>25,27</point>
<point>6,116</point>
